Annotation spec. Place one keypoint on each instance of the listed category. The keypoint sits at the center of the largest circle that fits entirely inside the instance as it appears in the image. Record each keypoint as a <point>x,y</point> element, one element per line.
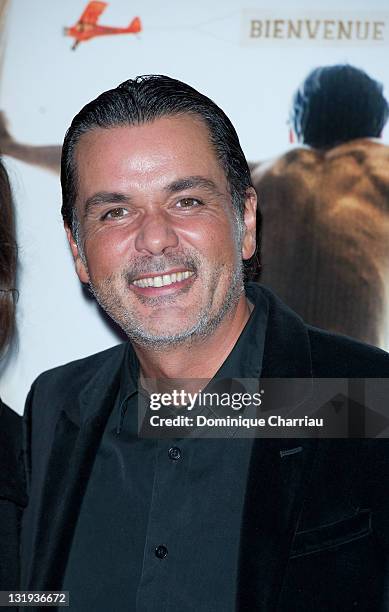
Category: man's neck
<point>200,358</point>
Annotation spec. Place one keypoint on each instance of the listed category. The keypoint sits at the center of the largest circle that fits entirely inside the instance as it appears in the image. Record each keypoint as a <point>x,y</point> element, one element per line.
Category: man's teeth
<point>162,281</point>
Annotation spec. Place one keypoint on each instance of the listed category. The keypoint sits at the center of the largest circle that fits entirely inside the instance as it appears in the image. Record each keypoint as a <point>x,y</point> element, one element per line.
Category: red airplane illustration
<point>87,26</point>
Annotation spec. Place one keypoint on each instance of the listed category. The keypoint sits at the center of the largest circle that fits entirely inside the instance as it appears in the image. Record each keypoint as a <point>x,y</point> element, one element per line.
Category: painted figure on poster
<point>325,245</point>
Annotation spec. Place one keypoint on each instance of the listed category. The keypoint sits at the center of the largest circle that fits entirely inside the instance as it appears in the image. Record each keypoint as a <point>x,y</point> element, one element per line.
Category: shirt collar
<point>129,376</point>
<point>245,359</point>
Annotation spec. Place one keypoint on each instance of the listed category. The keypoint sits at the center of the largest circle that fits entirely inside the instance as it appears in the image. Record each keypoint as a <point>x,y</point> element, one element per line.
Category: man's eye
<point>115,213</point>
<point>188,203</point>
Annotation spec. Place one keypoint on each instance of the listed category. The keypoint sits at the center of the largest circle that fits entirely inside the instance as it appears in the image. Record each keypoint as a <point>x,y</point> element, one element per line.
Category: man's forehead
<point>173,144</point>
<point>150,132</point>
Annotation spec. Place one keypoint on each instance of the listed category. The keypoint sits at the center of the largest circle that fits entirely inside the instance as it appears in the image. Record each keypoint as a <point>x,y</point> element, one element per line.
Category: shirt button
<point>174,453</point>
<point>161,551</point>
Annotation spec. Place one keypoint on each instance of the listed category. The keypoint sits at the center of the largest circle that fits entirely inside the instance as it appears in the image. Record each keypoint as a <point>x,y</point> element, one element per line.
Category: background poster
<point>44,83</point>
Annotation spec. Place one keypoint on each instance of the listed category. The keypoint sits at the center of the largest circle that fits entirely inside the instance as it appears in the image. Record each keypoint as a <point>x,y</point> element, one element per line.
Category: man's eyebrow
<point>104,197</point>
<point>192,182</point>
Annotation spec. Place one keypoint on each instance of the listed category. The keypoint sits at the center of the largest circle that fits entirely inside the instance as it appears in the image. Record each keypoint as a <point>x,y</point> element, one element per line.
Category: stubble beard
<point>208,321</point>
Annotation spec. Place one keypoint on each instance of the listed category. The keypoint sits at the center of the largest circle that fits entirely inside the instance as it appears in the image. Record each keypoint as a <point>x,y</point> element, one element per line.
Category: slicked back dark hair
<point>336,104</point>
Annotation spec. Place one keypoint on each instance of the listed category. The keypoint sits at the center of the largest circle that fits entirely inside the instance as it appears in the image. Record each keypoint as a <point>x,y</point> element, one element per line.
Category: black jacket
<point>12,497</point>
<point>315,534</point>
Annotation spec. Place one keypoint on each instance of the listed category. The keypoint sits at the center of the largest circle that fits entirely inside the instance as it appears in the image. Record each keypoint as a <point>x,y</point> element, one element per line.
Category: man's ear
<point>250,224</point>
<point>78,261</point>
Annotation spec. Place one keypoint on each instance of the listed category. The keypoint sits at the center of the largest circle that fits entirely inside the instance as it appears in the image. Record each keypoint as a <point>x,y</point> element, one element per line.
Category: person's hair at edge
<point>335,104</point>
<point>8,262</point>
<point>145,99</point>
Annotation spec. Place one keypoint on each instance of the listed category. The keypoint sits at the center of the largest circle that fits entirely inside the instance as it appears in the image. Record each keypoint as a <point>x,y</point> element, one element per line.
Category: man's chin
<point>167,333</point>
<point>160,341</point>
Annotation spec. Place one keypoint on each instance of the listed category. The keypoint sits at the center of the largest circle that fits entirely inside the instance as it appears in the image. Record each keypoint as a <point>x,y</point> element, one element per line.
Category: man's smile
<point>162,284</point>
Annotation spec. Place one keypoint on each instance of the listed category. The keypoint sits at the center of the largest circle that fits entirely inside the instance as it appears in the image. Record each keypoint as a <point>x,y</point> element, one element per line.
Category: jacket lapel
<point>71,460</point>
<point>279,474</point>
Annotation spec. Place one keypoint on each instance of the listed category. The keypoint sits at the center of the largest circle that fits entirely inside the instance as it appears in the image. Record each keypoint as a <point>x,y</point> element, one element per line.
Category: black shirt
<point>159,525</point>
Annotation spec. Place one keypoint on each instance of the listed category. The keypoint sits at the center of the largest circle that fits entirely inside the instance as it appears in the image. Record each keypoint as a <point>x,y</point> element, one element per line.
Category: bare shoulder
<point>296,160</point>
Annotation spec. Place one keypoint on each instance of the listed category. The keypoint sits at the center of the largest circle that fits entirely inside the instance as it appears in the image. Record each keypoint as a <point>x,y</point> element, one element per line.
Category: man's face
<point>162,249</point>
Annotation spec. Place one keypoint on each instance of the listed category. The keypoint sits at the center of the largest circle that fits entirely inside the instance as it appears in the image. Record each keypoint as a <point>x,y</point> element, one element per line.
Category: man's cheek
<point>103,254</point>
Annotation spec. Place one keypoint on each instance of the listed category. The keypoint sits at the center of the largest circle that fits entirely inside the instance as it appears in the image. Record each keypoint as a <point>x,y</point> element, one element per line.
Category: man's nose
<point>156,235</point>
